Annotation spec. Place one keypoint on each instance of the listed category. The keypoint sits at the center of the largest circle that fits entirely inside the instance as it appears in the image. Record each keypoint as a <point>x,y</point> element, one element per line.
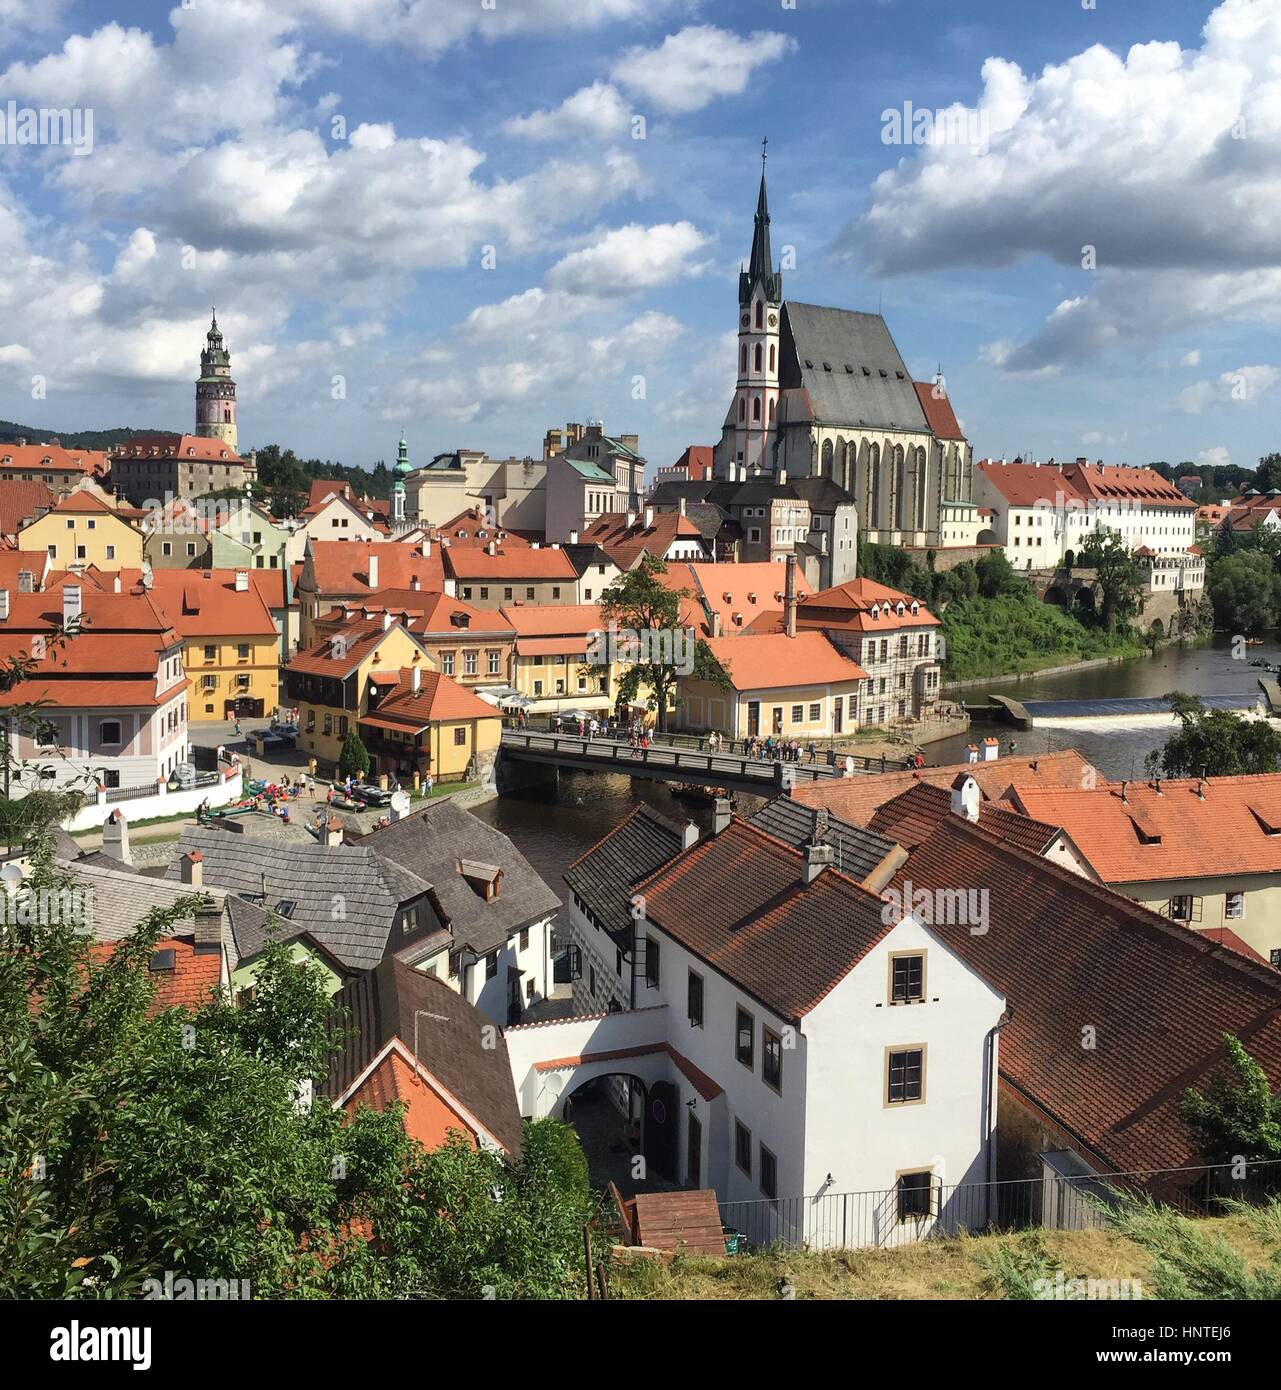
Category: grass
<point>960,1267</point>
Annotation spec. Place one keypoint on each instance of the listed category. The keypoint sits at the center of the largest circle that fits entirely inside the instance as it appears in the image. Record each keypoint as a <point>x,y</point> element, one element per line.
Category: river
<point>553,829</point>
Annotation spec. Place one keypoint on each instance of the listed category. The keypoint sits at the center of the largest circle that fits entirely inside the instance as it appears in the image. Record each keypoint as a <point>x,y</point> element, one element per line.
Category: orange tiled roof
<point>187,984</point>
<point>514,562</point>
<point>205,603</point>
<point>341,568</point>
<point>862,605</point>
<point>18,503</point>
<point>776,661</point>
<point>938,411</point>
<point>912,816</point>
<point>437,698</point>
<point>477,530</point>
<point>1233,829</point>
<point>626,544</point>
<point>48,458</point>
<point>552,619</point>
<point>177,446</point>
<point>360,637</point>
<point>740,593</point>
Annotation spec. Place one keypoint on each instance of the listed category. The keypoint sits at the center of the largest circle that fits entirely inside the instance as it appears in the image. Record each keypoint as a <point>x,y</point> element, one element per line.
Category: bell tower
<point>215,390</point>
<point>760,304</point>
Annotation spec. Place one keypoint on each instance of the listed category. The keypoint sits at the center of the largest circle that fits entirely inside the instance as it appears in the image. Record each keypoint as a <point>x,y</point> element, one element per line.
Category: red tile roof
<point>774,661</point>
<point>1233,829</point>
<point>438,698</point>
<point>1069,955</point>
<point>626,544</point>
<point>187,984</point>
<point>18,503</point>
<point>48,458</point>
<point>913,815</point>
<point>177,446</point>
<point>323,489</point>
<point>355,640</point>
<point>740,593</point>
<point>205,603</point>
<point>737,901</point>
<point>938,411</point>
<point>517,563</point>
<point>855,799</point>
<point>1026,484</point>
<point>477,529</point>
<point>553,619</point>
<point>862,605</point>
<point>341,568</point>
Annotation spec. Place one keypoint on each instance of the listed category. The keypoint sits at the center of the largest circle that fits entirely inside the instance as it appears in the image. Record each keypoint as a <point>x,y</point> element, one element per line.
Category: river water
<point>553,829</point>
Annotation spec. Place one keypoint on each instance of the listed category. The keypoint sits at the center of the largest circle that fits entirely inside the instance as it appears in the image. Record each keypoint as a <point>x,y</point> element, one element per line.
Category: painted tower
<point>215,390</point>
<point>760,303</point>
<point>403,470</point>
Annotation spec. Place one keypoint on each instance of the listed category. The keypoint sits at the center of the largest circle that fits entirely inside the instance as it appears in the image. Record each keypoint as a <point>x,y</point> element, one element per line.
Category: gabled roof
<point>552,619</point>
<point>340,654</point>
<point>1070,954</point>
<point>517,563</point>
<point>626,544</point>
<point>341,568</point>
<point>477,529</point>
<point>912,816</point>
<point>206,603</point>
<point>737,901</point>
<point>455,1045</point>
<point>49,458</point>
<point>938,411</point>
<point>192,447</point>
<point>862,605</point>
<point>859,852</point>
<point>605,877</point>
<point>1133,833</point>
<point>770,661</point>
<point>438,698</point>
<point>739,593</point>
<point>18,503</point>
<point>856,799</point>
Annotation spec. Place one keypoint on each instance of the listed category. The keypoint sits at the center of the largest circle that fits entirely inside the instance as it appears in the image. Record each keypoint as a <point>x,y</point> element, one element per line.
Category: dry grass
<point>936,1269</point>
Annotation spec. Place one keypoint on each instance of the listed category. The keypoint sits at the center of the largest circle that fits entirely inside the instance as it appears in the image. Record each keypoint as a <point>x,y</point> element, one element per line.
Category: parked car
<point>289,731</point>
<point>272,740</point>
<point>371,796</point>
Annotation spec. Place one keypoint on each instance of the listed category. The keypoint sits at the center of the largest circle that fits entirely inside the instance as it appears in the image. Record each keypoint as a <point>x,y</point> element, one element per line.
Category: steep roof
<point>859,852</point>
<point>206,603</point>
<point>434,842</point>
<point>1132,833</point>
<point>912,816</point>
<point>856,799</point>
<point>455,1045</point>
<point>340,654</point>
<point>18,503</point>
<point>862,605</point>
<point>626,544</point>
<point>937,408</point>
<point>177,446</point>
<point>49,458</point>
<point>848,367</point>
<point>1069,954</point>
<point>606,875</point>
<point>739,593</point>
<point>437,698</point>
<point>769,661</point>
<point>737,901</point>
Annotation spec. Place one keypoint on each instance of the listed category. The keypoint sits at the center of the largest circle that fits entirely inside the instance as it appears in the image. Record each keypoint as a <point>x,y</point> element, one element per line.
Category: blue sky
<point>435,213</point>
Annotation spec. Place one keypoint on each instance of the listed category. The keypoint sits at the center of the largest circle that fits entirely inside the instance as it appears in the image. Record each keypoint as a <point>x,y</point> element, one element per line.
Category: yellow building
<point>81,529</point>
<point>231,647</point>
<point>551,651</point>
<point>375,676</point>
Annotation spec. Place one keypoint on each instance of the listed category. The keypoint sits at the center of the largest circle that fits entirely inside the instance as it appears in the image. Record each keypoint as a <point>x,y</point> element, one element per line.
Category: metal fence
<point>906,1213</point>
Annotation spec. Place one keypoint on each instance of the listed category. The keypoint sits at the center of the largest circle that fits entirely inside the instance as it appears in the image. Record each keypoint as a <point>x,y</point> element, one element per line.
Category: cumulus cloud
<point>1246,385</point>
<point>631,258</point>
<point>1191,359</point>
<point>1217,457</point>
<point>595,112</point>
<point>690,69</point>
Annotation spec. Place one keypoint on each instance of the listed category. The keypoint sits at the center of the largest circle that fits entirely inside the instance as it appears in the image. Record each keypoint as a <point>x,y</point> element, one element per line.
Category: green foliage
<point>1188,1263</point>
<point>893,566</point>
<point>1119,574</point>
<point>1015,634</point>
<point>353,759</point>
<point>287,479</point>
<point>10,433</point>
<point>1014,1271</point>
<point>134,1144</point>
<point>1238,1116</point>
<point>1215,743</point>
<point>1245,591</point>
<point>996,576</point>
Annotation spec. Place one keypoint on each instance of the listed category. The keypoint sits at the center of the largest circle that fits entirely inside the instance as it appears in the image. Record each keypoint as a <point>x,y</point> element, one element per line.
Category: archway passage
<point>627,1130</point>
<point>1084,605</point>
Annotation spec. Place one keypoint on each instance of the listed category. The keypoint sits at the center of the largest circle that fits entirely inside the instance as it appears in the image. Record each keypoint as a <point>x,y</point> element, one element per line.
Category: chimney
<point>631,520</point>
<point>722,812</point>
<point>70,604</point>
<point>116,586</point>
<point>416,679</point>
<point>689,835</point>
<point>373,571</point>
<point>115,837</point>
<point>573,538</point>
<point>193,869</point>
<point>386,620</point>
<point>242,581</point>
<point>208,927</point>
<point>4,605</point>
<point>649,517</point>
<point>817,858</point>
<point>333,832</point>
<point>492,548</point>
<point>991,750</point>
<point>26,582</point>
<point>681,506</point>
<point>965,797</point>
<point>789,598</point>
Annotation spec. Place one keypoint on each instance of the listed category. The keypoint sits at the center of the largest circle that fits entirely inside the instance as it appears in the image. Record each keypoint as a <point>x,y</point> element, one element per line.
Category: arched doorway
<point>629,1131</point>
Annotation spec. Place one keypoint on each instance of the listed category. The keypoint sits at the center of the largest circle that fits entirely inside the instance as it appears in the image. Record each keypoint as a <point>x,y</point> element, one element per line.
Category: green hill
<point>10,433</point>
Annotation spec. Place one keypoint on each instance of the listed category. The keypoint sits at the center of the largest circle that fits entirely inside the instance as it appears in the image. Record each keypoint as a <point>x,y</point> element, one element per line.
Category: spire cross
<point>764,152</point>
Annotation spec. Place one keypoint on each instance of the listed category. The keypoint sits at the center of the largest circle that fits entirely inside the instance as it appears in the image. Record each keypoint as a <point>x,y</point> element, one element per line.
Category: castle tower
<point>215,390</point>
<point>403,470</point>
<point>760,302</point>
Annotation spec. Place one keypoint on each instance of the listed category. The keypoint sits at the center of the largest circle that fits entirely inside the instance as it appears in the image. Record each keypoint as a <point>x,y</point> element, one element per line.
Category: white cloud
<point>595,112</point>
<point>631,258</point>
<point>690,69</point>
<point>1191,359</point>
<point>1217,457</point>
<point>1246,385</point>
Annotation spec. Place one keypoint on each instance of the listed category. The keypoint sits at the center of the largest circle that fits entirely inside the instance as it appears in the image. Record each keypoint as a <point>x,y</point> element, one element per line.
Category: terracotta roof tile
<point>774,660</point>
<point>912,816</point>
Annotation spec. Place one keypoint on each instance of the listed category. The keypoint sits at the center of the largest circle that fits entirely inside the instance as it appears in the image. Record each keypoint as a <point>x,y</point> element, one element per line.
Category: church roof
<point>849,369</point>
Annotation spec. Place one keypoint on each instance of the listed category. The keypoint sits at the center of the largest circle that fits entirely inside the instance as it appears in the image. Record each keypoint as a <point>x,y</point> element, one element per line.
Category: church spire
<point>761,266</point>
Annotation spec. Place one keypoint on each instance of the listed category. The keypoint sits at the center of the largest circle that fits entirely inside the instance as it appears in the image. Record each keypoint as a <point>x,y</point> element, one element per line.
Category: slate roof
<point>912,817</point>
<point>855,375</point>
<point>606,875</point>
<point>122,898</point>
<point>859,852</point>
<point>318,879</point>
<point>738,902</point>
<point>433,842</point>
<point>823,494</point>
<point>1068,954</point>
<point>452,1036</point>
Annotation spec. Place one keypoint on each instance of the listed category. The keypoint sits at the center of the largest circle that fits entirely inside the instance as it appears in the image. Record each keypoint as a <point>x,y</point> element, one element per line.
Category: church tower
<point>403,470</point>
<point>215,391</point>
<point>760,303</point>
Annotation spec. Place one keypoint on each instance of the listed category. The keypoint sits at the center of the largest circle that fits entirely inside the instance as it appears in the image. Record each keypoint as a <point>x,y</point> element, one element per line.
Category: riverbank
<point>1090,664</point>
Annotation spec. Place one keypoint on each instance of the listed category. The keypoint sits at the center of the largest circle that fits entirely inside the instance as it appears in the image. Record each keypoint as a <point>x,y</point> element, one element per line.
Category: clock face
<point>773,320</point>
<point>747,320</point>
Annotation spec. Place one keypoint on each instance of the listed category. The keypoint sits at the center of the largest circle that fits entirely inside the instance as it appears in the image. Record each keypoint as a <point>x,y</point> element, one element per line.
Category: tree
<point>641,622</point>
<point>1119,575</point>
<point>135,1143</point>
<point>996,576</point>
<point>1215,743</point>
<point>1245,591</point>
<point>353,759</point>
<point>1238,1116</point>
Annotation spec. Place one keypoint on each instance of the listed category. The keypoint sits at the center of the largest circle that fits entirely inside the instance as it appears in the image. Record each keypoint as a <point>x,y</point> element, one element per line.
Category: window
<point>816,713</point>
<point>652,954</point>
<point>745,1039</point>
<point>1181,908</point>
<point>905,1076</point>
<point>447,663</point>
<point>460,737</point>
<point>743,1147</point>
<point>914,1195</point>
<point>109,733</point>
<point>1234,906</point>
<point>494,658</point>
<point>771,1059</point>
<point>491,965</point>
<point>907,978</point>
<point>555,591</point>
<point>524,939</point>
<point>342,726</point>
<point>694,997</point>
<point>111,552</point>
<point>329,724</point>
<point>529,595</point>
<point>769,1173</point>
<point>242,651</point>
<point>798,714</point>
<point>210,653</point>
<point>484,591</point>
